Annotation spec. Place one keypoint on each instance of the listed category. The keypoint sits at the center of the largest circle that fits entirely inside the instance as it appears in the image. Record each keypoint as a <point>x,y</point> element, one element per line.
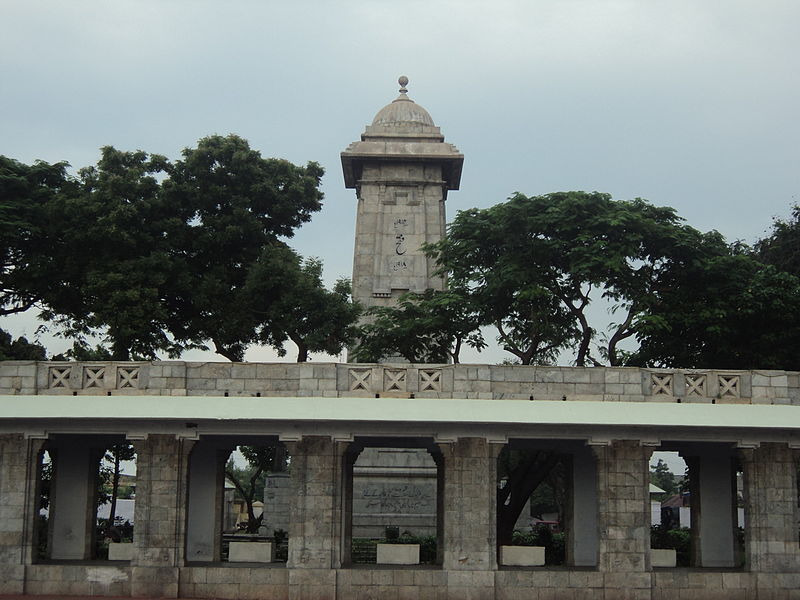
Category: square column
<point>470,497</point>
<point>314,530</point>
<point>73,509</point>
<point>206,491</point>
<point>161,462</point>
<point>771,513</point>
<point>712,484</point>
<point>624,518</point>
<point>18,489</point>
<point>582,528</point>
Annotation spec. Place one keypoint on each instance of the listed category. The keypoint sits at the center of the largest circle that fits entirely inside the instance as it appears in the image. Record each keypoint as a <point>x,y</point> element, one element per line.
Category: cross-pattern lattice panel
<point>696,384</point>
<point>661,384</point>
<point>59,377</point>
<point>360,379</point>
<point>128,377</point>
<point>430,380</point>
<point>394,380</point>
<point>94,377</point>
<point>729,386</point>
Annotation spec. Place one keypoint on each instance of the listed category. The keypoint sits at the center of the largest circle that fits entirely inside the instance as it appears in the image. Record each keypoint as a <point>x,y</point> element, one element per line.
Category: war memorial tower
<point>183,418</point>
<point>401,170</point>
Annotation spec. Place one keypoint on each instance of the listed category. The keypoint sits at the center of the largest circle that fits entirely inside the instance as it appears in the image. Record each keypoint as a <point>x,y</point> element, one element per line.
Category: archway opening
<point>393,502</point>
<point>670,510</point>
<point>546,504</point>
<point>707,529</point>
<point>116,500</point>
<point>238,500</point>
<point>85,500</point>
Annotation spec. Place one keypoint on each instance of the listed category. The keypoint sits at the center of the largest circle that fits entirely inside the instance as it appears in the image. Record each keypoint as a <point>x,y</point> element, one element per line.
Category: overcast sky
<point>688,103</point>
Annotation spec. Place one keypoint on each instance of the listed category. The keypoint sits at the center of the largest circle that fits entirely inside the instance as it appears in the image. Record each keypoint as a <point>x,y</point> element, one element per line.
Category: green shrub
<point>679,540</point>
<point>554,543</point>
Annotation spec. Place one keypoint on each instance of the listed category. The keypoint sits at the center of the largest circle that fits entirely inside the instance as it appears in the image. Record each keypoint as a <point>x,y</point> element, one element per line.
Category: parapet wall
<point>600,384</point>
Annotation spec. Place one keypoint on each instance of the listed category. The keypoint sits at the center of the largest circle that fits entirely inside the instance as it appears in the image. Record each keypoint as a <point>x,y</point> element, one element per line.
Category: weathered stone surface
<point>261,552</point>
<point>770,479</point>
<point>624,543</point>
<point>160,515</point>
<point>451,381</point>
<point>311,515</point>
<point>522,556</point>
<point>469,464</point>
<point>398,554</point>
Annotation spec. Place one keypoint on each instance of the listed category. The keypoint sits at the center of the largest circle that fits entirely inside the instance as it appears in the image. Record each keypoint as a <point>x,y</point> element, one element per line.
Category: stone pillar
<point>18,508</point>
<point>624,518</point>
<point>206,491</point>
<point>161,462</point>
<point>438,458</point>
<point>583,526</point>
<point>313,531</point>
<point>712,484</point>
<point>277,499</point>
<point>349,458</point>
<point>73,510</point>
<point>771,514</point>
<point>470,496</point>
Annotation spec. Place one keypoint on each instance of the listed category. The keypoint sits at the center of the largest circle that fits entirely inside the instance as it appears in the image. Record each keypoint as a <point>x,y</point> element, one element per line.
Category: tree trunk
<point>229,353</point>
<point>522,482</point>
<point>456,353</point>
<point>120,349</point>
<point>586,330</point>
<point>302,353</point>
<point>253,522</point>
<point>302,348</point>
<point>112,513</point>
<point>622,332</point>
<point>586,339</point>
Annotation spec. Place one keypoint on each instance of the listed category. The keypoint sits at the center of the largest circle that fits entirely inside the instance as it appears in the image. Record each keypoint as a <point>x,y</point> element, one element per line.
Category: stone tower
<point>401,170</point>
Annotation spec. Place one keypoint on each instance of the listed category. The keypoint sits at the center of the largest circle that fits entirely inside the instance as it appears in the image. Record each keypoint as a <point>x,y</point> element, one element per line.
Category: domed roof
<point>403,110</point>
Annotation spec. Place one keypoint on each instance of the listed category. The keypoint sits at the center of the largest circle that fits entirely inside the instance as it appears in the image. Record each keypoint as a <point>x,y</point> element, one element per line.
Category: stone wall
<point>160,515</point>
<point>18,481</point>
<point>317,567</point>
<point>394,487</point>
<point>602,384</point>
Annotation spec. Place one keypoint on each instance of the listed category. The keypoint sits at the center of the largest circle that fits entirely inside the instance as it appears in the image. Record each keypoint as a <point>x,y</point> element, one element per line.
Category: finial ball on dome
<point>403,81</point>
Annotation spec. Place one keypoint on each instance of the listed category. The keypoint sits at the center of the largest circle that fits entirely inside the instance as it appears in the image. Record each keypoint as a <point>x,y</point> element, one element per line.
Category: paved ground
<point>24,597</point>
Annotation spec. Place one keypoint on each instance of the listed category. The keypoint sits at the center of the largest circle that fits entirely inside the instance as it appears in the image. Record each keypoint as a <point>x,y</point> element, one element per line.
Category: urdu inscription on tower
<point>401,170</point>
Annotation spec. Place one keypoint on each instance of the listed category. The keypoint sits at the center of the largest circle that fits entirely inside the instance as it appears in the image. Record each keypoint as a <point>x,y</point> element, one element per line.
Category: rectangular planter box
<point>120,551</point>
<point>662,557</point>
<point>522,556</point>
<point>258,552</point>
<point>398,554</point>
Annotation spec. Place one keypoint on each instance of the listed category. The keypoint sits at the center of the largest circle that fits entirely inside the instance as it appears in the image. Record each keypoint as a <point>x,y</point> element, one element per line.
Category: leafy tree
<point>532,265</point>
<point>109,473</point>
<point>314,318</point>
<point>20,349</point>
<point>726,311</point>
<point>26,271</point>
<point>661,476</point>
<point>423,328</point>
<point>782,247</point>
<point>112,246</point>
<point>249,482</point>
<point>152,255</point>
<point>232,265</point>
<point>81,351</point>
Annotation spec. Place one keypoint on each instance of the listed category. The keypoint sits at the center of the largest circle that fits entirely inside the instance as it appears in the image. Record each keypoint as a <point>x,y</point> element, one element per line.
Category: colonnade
<point>176,531</point>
